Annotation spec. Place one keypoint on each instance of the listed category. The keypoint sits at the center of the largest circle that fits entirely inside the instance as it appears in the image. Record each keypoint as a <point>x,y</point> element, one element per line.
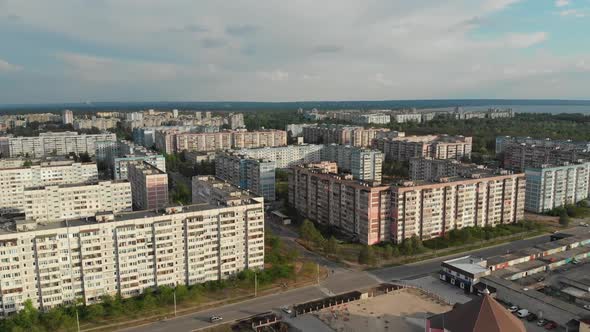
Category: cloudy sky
<point>268,50</point>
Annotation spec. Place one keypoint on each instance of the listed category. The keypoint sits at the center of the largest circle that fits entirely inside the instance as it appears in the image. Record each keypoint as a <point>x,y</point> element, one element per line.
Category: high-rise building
<point>72,201</point>
<point>359,209</point>
<point>433,146</point>
<point>548,187</point>
<point>430,209</point>
<point>127,253</point>
<point>429,169</point>
<point>364,164</point>
<point>339,134</point>
<point>56,144</point>
<point>285,156</point>
<point>519,156</point>
<point>256,175</point>
<point>15,180</point>
<point>236,120</point>
<point>580,146</point>
<point>175,113</point>
<point>171,141</point>
<point>296,129</point>
<point>67,117</point>
<point>149,186</point>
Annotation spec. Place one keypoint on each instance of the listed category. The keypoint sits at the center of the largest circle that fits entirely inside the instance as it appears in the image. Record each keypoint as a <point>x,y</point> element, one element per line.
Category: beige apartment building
<point>149,186</point>
<point>73,201</point>
<point>339,134</point>
<point>359,209</point>
<point>127,253</point>
<point>430,209</point>
<point>433,146</point>
<point>14,180</point>
<point>430,169</point>
<point>519,156</point>
<point>56,143</point>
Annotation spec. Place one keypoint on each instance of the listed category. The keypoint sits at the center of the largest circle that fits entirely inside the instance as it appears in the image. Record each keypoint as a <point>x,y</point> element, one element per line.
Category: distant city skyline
<point>77,51</point>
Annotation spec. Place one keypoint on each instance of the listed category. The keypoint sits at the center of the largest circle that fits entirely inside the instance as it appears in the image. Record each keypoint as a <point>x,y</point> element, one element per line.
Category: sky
<point>267,50</point>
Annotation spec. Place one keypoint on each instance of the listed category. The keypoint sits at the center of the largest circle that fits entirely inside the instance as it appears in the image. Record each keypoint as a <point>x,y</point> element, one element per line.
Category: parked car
<point>587,306</point>
<point>550,325</point>
<point>531,317</point>
<point>286,310</point>
<point>541,322</point>
<point>214,319</point>
<point>522,313</point>
<point>514,308</point>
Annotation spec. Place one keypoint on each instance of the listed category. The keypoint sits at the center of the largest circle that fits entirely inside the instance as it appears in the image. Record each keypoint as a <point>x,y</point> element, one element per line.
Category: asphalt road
<point>342,280</point>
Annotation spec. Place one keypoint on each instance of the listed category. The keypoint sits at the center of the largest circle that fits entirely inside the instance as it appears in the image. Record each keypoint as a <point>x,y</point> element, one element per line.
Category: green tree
<point>331,246</point>
<point>367,256</point>
<point>564,219</point>
<point>407,247</point>
<point>388,251</point>
<point>94,312</point>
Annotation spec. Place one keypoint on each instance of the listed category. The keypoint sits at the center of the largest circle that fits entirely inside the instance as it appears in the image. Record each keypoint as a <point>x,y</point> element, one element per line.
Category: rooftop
<point>473,265</point>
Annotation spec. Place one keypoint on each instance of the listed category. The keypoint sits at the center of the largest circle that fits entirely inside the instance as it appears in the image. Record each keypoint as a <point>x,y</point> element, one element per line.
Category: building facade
<point>67,117</point>
<point>149,186</point>
<point>170,141</point>
<point>73,201</point>
<point>125,254</point>
<point>363,164</point>
<point>343,135</point>
<point>256,175</point>
<point>429,169</point>
<point>357,208</point>
<point>429,210</point>
<point>519,156</point>
<point>15,180</point>
<point>56,144</point>
<point>549,187</point>
<point>285,156</point>
<point>433,146</point>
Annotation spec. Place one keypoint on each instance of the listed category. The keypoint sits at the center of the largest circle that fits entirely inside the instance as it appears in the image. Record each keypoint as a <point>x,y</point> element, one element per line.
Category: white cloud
<point>381,79</point>
<point>562,3</point>
<point>5,66</point>
<point>572,12</point>
<point>519,40</point>
<point>275,75</point>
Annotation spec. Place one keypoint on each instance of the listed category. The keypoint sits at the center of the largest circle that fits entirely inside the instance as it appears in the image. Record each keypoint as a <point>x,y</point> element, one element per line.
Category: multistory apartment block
<point>372,118</point>
<point>236,120</point>
<point>357,208</point>
<point>296,129</point>
<point>99,123</point>
<point>406,117</point>
<point>73,201</point>
<point>549,186</point>
<point>580,146</point>
<point>67,117</point>
<point>364,164</point>
<point>14,180</point>
<point>56,144</point>
<point>433,146</point>
<point>149,186</point>
<point>285,156</point>
<point>518,156</point>
<point>127,253</point>
<point>220,141</point>
<point>429,210</point>
<point>429,169</point>
<point>339,134</point>
<point>256,175</point>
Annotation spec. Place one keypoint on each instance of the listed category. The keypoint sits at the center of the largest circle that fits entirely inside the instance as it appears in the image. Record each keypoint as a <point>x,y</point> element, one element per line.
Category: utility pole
<point>77,320</point>
<point>255,284</point>
<point>318,272</point>
<point>175,302</point>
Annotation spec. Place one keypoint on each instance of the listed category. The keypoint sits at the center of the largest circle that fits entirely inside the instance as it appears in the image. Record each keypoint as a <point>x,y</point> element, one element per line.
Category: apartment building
<point>256,175</point>
<point>580,146</point>
<point>67,117</point>
<point>548,187</point>
<point>339,134</point>
<point>149,186</point>
<point>429,169</point>
<point>359,209</point>
<point>406,117</point>
<point>222,140</point>
<point>99,123</point>
<point>236,120</point>
<point>519,156</point>
<point>296,129</point>
<point>285,156</point>
<point>121,164</point>
<point>430,209</point>
<point>72,201</point>
<point>433,146</point>
<point>372,118</point>
<point>56,143</point>
<point>364,164</point>
<point>126,253</point>
<point>15,180</point>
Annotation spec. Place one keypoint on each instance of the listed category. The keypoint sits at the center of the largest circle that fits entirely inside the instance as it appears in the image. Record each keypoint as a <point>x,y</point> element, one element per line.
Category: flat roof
<point>518,268</point>
<point>468,264</point>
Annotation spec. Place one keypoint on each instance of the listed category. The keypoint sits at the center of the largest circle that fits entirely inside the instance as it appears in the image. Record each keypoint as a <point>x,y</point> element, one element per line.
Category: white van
<point>522,313</point>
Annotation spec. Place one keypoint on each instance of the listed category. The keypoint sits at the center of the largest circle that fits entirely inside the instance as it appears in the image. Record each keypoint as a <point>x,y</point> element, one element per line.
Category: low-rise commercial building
<point>127,253</point>
<point>433,146</point>
<point>549,187</point>
<point>149,186</point>
<point>73,201</point>
<point>15,180</point>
